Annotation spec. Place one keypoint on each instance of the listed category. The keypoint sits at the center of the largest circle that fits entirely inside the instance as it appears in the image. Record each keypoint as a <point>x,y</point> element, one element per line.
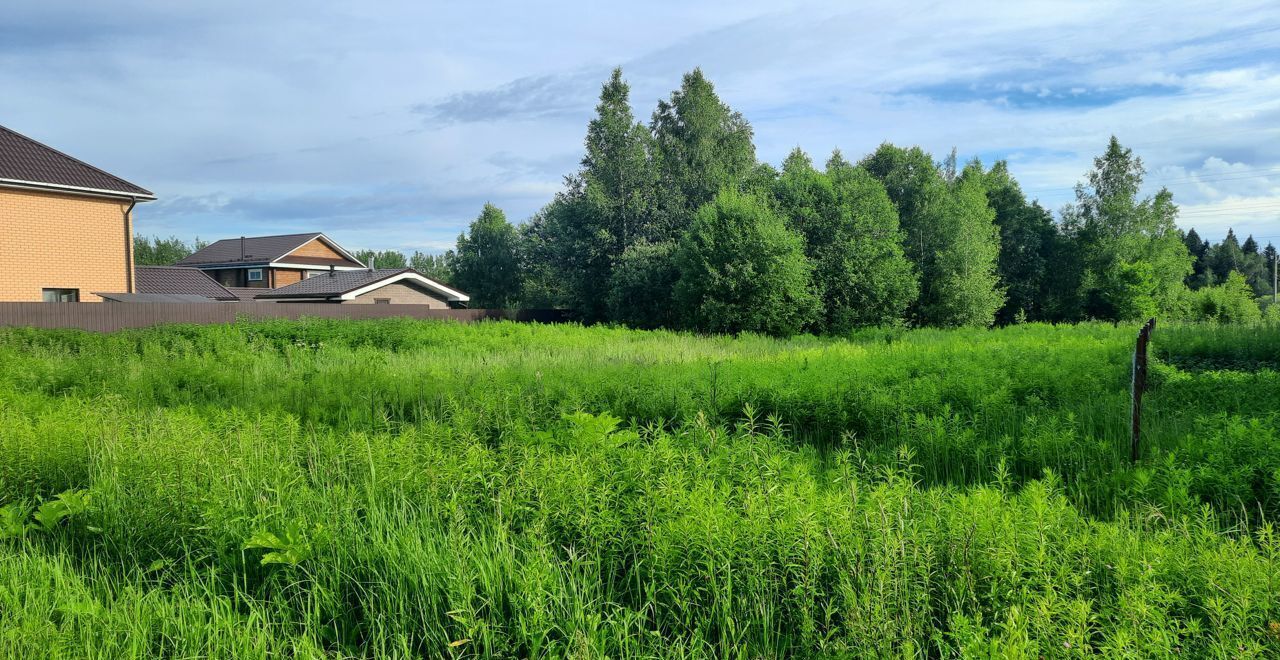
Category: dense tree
<point>1199,249</point>
<point>542,273</point>
<point>1027,235</point>
<point>1232,301</point>
<point>487,263</point>
<point>949,234</point>
<point>742,270</point>
<point>1256,270</point>
<point>608,205</point>
<point>966,290</point>
<point>156,251</point>
<point>1134,261</point>
<point>701,146</point>
<point>641,289</point>
<point>438,267</point>
<point>382,258</point>
<point>1226,257</point>
<point>851,238</point>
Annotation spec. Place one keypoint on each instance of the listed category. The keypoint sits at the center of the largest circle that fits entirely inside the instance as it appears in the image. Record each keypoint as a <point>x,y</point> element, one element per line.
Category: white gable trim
<point>327,241</point>
<point>450,294</point>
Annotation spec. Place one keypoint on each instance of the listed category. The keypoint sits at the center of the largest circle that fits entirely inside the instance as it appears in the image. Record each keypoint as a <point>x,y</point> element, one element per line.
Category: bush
<point>742,270</point>
<point>1229,302</point>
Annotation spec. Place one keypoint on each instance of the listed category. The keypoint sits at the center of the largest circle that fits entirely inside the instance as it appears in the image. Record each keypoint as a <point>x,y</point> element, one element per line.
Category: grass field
<point>398,488</point>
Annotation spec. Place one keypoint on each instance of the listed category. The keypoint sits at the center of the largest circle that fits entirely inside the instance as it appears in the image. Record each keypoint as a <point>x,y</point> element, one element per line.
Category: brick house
<point>66,227</point>
<point>271,262</point>
<point>388,286</point>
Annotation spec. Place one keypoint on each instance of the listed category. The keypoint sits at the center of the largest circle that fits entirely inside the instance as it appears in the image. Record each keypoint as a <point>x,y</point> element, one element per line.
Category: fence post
<point>1138,386</point>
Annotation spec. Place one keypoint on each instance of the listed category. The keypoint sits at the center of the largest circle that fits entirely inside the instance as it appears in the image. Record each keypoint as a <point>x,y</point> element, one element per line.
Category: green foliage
<point>1232,301</point>
<point>156,251</point>
<point>1133,259</point>
<point>851,238</point>
<point>1027,237</point>
<point>701,146</point>
<point>506,490</point>
<point>289,545</point>
<point>486,266</point>
<point>382,258</point>
<point>949,236</point>
<point>742,270</point>
<point>642,285</point>
<point>438,267</point>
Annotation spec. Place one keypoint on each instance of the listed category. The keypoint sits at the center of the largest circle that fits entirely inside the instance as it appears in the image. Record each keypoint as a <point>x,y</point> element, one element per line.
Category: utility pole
<point>1275,258</point>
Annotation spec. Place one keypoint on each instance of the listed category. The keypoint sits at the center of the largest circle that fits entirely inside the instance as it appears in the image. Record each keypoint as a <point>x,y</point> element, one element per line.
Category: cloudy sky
<point>389,124</point>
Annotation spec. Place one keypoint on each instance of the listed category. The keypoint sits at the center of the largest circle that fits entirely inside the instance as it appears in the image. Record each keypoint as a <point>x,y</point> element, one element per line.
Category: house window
<point>255,274</point>
<point>382,301</point>
<point>61,295</point>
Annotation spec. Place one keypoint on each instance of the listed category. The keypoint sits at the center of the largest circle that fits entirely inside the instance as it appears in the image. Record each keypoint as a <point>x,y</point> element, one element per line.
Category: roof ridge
<point>73,158</point>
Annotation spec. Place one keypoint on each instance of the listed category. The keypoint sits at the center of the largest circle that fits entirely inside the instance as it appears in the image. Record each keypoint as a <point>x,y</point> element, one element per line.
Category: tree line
<point>676,224</point>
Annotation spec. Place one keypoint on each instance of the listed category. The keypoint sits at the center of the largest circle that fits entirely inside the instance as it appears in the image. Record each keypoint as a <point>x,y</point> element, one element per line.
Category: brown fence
<point>109,317</point>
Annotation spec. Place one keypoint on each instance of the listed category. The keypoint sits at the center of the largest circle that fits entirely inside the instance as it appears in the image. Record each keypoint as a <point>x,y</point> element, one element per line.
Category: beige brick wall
<point>50,240</point>
<point>400,294</point>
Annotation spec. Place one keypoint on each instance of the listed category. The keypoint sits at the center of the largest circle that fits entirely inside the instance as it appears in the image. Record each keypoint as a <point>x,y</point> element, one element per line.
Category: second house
<point>271,262</point>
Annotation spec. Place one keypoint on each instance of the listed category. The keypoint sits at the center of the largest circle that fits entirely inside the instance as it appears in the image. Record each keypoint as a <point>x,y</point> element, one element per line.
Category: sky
<point>388,125</point>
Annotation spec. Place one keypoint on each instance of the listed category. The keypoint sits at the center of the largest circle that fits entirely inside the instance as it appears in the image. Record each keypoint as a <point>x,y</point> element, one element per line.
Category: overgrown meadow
<point>416,489</point>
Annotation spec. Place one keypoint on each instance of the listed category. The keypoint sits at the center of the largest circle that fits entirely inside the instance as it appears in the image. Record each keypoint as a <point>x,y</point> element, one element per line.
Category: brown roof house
<point>388,286</point>
<point>66,227</point>
<point>270,262</point>
<point>172,284</point>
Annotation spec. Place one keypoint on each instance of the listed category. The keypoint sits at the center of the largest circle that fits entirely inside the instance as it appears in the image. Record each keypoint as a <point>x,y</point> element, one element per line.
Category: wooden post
<point>1138,386</point>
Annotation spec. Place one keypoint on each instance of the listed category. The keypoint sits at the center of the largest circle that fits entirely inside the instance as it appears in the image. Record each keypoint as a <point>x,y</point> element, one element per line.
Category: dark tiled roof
<point>25,160</point>
<point>154,298</point>
<point>253,250</point>
<point>246,293</point>
<point>334,283</point>
<point>179,280</point>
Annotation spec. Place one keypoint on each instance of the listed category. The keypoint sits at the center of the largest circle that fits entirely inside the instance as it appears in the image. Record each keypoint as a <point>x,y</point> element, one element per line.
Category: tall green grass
<point>408,489</point>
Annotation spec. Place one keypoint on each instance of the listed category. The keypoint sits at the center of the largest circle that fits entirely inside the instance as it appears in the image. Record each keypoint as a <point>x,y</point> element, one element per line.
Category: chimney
<point>332,270</point>
<point>371,267</point>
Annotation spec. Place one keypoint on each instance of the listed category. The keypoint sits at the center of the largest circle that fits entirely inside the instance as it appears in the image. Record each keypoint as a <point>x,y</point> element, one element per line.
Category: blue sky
<point>389,124</point>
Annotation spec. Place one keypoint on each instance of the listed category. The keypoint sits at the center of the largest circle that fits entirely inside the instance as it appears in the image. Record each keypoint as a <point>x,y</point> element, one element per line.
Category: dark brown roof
<point>154,298</point>
<point>180,281</point>
<point>253,250</point>
<point>25,161</point>
<point>337,283</point>
<point>246,293</point>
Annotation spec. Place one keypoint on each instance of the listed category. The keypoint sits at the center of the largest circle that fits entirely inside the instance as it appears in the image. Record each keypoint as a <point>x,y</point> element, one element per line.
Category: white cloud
<point>278,115</point>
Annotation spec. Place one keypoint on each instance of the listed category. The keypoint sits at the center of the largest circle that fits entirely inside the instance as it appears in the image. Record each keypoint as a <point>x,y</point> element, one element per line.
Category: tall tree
<point>1134,260</point>
<point>438,267</point>
<point>851,238</point>
<point>1199,249</point>
<point>949,235</point>
<point>487,263</point>
<point>1257,272</point>
<point>701,147</point>
<point>742,270</point>
<point>607,206</point>
<point>1027,233</point>
<point>1226,257</point>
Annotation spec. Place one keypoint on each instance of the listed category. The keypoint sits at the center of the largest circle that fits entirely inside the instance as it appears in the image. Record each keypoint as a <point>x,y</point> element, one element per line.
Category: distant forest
<point>676,224</point>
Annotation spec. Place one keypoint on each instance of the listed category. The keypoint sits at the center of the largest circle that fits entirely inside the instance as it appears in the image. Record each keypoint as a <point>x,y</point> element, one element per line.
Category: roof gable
<point>265,250</point>
<point>27,163</point>
<point>349,284</point>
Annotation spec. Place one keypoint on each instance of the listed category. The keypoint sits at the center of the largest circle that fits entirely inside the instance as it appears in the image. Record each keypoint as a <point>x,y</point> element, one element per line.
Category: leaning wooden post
<point>1138,386</point>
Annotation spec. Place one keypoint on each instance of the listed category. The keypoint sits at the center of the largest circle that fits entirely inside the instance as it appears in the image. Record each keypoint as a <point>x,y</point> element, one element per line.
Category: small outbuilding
<point>388,286</point>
